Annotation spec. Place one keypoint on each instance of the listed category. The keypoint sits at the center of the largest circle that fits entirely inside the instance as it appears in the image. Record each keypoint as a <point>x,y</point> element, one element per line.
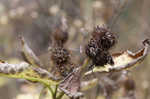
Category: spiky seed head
<point>60,55</point>
<point>102,59</point>
<point>105,38</point>
<point>92,48</point>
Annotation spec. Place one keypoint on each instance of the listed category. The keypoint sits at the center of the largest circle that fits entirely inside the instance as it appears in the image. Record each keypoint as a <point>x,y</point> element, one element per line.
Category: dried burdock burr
<point>97,48</point>
<point>92,49</point>
<point>102,59</point>
<point>61,59</point>
<point>60,55</point>
<point>105,38</point>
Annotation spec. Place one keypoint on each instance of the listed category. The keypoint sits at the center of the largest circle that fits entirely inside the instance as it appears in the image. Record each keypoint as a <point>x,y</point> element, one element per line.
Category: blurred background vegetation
<point>37,19</point>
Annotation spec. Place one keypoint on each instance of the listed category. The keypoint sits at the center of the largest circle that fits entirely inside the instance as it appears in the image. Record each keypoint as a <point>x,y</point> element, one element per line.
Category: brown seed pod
<point>60,56</point>
<point>97,48</point>
<point>60,36</point>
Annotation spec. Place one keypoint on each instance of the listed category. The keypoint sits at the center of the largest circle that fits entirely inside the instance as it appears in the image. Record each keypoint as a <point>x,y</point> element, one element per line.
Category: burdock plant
<point>68,79</point>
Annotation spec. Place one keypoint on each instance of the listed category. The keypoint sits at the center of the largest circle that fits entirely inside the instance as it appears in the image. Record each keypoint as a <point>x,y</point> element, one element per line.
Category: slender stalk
<point>85,64</point>
<point>51,91</point>
<point>60,95</point>
<point>55,92</point>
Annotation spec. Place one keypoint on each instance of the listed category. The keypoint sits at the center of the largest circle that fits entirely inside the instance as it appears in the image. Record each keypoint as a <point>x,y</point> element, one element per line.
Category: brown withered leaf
<point>124,60</point>
<point>71,84</point>
<point>29,55</point>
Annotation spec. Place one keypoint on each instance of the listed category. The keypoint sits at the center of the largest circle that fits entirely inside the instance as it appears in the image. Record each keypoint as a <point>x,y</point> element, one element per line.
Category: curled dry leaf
<point>29,55</point>
<point>71,84</point>
<point>124,60</point>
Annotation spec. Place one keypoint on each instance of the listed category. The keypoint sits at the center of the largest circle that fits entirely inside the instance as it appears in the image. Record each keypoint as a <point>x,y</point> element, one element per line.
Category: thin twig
<point>55,91</point>
<point>29,55</point>
<point>25,71</point>
<point>51,90</point>
<point>61,94</point>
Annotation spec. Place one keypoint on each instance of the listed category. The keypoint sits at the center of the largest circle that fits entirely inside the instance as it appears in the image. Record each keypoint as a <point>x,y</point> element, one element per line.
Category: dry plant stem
<point>31,58</point>
<point>73,81</point>
<point>55,91</point>
<point>51,91</point>
<point>61,94</point>
<point>85,64</point>
<point>25,71</point>
<point>29,55</point>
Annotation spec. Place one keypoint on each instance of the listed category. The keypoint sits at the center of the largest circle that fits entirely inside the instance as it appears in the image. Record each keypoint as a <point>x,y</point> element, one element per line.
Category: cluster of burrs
<point>60,56</point>
<point>98,47</point>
